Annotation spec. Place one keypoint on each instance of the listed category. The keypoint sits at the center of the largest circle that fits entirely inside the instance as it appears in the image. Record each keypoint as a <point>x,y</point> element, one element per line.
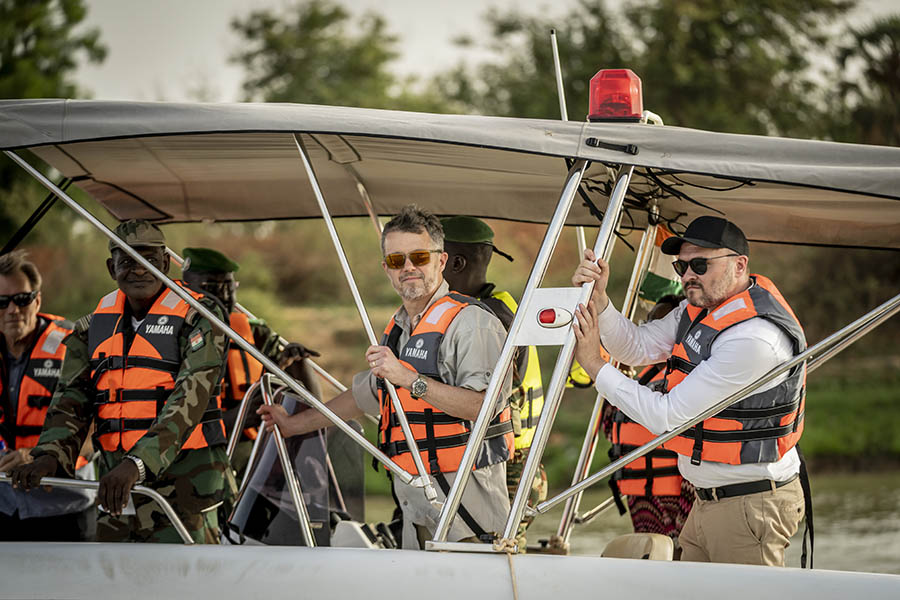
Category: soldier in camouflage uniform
<point>469,243</point>
<point>194,481</point>
<point>210,272</point>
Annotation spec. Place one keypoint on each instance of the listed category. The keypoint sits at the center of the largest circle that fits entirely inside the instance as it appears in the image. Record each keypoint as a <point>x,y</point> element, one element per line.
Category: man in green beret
<point>469,243</point>
<point>210,272</point>
<point>142,370</point>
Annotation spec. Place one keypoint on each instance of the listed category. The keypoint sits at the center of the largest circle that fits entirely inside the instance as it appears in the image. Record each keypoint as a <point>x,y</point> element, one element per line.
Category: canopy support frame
<point>828,347</point>
<point>423,479</point>
<point>216,321</point>
<point>592,435</point>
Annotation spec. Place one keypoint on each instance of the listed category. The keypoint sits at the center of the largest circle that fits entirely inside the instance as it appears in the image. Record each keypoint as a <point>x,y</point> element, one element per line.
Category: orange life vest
<point>655,473</point>
<point>763,426</point>
<point>132,385</point>
<point>441,438</point>
<point>242,370</point>
<point>38,382</point>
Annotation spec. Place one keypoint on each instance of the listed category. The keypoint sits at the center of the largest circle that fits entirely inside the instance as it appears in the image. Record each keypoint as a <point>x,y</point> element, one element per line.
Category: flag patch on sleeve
<point>197,341</point>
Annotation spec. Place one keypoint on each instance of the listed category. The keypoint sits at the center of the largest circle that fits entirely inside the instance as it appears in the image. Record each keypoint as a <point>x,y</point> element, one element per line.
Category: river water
<point>856,517</point>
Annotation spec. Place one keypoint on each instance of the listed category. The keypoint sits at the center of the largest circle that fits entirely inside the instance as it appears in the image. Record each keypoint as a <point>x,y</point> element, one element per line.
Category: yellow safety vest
<point>528,401</point>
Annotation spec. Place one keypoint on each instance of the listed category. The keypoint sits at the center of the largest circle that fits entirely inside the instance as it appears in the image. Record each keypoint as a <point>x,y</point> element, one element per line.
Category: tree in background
<point>724,65</point>
<point>41,46</point>
<point>314,54</point>
<point>522,82</point>
<point>866,108</point>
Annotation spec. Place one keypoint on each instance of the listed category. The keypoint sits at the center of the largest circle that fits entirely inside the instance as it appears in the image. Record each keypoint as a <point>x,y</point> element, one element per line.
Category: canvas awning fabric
<point>173,162</point>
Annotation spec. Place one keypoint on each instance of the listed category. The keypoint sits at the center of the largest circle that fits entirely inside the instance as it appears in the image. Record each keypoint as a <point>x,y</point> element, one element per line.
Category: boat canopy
<point>177,162</point>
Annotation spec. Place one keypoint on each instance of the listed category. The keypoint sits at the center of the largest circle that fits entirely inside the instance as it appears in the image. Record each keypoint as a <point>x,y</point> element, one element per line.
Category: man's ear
<point>167,262</point>
<point>110,266</point>
<point>457,263</point>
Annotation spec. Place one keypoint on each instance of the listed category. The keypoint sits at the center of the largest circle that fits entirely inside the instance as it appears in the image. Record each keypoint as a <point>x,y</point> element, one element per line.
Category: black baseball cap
<point>709,232</point>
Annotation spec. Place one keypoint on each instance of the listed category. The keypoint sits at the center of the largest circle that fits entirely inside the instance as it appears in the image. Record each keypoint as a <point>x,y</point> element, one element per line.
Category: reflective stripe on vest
<point>441,438</point>
<point>532,390</point>
<point>38,382</point>
<point>654,474</point>
<point>763,426</point>
<point>132,386</point>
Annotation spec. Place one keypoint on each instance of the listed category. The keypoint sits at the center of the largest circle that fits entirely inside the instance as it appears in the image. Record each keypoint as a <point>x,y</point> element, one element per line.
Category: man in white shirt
<point>733,328</point>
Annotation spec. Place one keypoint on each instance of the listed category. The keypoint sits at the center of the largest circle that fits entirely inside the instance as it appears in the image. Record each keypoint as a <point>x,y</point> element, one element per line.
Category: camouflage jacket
<point>72,409</point>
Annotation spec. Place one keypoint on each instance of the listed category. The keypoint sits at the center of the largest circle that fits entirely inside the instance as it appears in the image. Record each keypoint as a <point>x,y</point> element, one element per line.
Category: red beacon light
<point>616,96</point>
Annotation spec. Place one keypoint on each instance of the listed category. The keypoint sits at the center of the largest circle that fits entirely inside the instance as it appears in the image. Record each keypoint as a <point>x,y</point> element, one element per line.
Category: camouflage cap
<point>208,261</point>
<point>470,230</point>
<point>139,233</point>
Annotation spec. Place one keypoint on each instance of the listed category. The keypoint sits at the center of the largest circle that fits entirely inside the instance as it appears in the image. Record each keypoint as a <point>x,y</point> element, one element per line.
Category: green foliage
<point>521,82</point>
<point>866,107</point>
<point>314,53</point>
<point>730,65</point>
<point>41,45</point>
<point>727,66</point>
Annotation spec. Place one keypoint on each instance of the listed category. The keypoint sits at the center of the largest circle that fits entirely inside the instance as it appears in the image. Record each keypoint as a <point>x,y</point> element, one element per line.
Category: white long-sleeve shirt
<point>739,356</point>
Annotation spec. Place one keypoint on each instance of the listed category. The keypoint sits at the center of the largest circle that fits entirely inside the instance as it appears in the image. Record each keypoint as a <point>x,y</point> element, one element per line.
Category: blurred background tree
<point>41,46</point>
<point>866,107</point>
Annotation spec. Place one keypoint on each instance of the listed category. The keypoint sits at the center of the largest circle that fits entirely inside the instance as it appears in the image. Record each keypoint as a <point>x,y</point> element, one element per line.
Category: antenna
<point>559,81</point>
<point>564,115</point>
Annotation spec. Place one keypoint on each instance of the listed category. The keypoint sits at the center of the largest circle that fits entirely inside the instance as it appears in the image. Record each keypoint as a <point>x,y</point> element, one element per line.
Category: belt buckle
<point>707,494</point>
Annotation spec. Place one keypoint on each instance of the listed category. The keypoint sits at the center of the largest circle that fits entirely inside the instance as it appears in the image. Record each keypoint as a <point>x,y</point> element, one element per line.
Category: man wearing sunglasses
<point>439,351</point>
<point>733,328</point>
<point>31,352</point>
<point>210,272</point>
<point>143,368</point>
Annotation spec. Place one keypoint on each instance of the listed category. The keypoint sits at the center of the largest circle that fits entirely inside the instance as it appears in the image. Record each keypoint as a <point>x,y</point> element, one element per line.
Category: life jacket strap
<point>38,401</point>
<point>697,451</point>
<point>444,484</point>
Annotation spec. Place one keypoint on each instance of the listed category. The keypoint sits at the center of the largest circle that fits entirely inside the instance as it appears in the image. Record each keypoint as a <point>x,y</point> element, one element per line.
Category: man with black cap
<point>210,272</point>
<point>143,368</point>
<point>469,244</point>
<point>733,328</point>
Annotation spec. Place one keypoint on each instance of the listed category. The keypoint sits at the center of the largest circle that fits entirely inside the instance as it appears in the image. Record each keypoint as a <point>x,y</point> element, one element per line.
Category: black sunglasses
<point>22,299</point>
<point>697,265</point>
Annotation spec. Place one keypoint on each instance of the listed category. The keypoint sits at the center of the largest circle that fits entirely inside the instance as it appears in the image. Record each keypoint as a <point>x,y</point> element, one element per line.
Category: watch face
<point>419,387</point>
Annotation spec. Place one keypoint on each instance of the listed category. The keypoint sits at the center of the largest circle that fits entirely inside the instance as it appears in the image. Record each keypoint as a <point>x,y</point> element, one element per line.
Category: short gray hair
<point>17,260</point>
<point>412,219</point>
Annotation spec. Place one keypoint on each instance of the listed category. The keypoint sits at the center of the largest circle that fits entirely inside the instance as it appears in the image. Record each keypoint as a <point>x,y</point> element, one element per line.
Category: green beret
<point>208,261</point>
<point>139,233</point>
<point>470,230</point>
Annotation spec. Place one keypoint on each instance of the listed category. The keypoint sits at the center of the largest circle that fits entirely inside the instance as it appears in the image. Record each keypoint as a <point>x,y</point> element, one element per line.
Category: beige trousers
<point>753,529</point>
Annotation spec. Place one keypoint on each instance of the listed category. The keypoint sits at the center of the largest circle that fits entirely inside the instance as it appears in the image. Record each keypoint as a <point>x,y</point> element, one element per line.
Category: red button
<point>548,315</point>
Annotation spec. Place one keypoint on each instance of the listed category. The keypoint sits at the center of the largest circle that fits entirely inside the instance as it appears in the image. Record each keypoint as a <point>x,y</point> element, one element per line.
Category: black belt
<point>740,489</point>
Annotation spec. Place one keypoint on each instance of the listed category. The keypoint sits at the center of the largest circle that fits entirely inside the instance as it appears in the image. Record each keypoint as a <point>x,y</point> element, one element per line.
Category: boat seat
<point>652,546</point>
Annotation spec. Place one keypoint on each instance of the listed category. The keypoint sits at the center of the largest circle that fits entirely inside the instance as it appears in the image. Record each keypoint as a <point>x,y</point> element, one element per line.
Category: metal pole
<point>239,422</point>
<point>366,200</point>
<point>592,436</point>
<point>226,329</point>
<point>424,478</point>
<point>254,451</point>
<point>595,512</point>
<point>283,342</point>
<point>867,322</point>
<point>491,395</point>
<point>553,393</point>
<point>287,466</point>
<point>81,484</point>
<point>564,115</point>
